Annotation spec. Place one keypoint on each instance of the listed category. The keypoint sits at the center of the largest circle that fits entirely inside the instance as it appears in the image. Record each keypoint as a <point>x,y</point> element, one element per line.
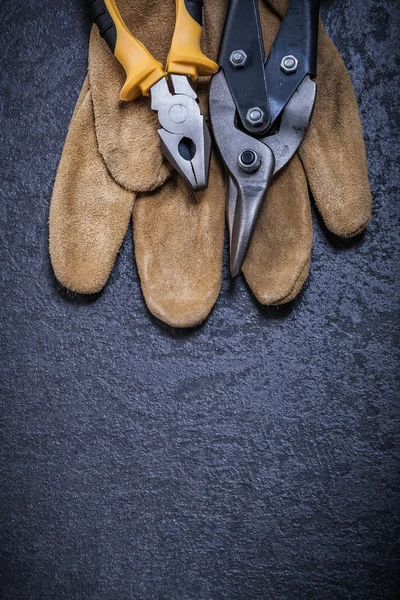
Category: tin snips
<point>260,108</point>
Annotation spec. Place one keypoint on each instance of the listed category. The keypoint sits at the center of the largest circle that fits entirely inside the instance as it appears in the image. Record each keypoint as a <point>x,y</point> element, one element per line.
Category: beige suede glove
<point>112,167</point>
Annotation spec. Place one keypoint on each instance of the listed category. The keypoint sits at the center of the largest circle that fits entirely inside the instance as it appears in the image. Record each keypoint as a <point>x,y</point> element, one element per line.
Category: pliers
<point>261,108</point>
<point>184,136</point>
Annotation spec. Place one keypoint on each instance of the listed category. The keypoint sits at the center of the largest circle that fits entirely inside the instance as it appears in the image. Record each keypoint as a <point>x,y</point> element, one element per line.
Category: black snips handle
<point>261,88</point>
<point>295,44</point>
<point>242,58</point>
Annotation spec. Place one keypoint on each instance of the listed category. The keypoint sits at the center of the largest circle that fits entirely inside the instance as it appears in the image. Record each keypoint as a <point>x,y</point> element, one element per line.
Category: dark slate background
<point>252,458</point>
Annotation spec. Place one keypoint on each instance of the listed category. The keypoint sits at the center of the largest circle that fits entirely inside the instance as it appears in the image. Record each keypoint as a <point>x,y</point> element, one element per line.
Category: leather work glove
<point>112,167</point>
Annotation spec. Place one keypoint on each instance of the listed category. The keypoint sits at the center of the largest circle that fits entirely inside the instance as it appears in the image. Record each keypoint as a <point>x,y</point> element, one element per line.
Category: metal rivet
<point>178,113</point>
<point>238,59</point>
<point>249,161</point>
<point>289,64</point>
<point>255,116</point>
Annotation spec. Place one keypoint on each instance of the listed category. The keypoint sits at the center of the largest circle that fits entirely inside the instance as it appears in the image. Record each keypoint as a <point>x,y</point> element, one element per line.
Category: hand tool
<point>184,136</point>
<point>261,108</point>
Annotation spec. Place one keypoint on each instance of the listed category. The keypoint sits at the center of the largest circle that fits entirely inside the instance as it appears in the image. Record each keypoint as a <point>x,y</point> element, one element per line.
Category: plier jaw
<point>258,114</point>
<point>184,135</point>
<point>190,158</point>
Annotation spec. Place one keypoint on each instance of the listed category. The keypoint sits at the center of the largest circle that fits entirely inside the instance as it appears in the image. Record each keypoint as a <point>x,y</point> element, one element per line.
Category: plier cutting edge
<point>184,136</point>
<point>261,108</point>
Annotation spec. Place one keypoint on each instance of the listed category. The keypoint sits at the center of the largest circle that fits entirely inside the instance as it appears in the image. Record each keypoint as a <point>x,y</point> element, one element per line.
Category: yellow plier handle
<point>185,56</point>
<point>142,69</point>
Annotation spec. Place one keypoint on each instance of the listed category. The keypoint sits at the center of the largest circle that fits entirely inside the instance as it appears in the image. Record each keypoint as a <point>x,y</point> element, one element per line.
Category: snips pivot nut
<point>238,59</point>
<point>255,116</point>
<point>289,64</point>
<point>249,161</point>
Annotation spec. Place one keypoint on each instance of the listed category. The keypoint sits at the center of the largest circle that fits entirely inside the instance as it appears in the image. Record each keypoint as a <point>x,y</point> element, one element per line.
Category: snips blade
<point>244,200</point>
<point>250,164</point>
<point>184,135</point>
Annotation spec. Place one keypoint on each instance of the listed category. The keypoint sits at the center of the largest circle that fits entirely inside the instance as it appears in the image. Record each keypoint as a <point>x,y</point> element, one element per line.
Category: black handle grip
<point>245,74</point>
<point>269,86</point>
<point>100,15</point>
<point>195,10</point>
<point>297,37</point>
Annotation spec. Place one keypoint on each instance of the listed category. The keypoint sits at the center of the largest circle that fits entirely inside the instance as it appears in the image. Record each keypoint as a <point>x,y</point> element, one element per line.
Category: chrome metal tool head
<point>250,161</point>
<point>184,134</point>
<point>250,164</point>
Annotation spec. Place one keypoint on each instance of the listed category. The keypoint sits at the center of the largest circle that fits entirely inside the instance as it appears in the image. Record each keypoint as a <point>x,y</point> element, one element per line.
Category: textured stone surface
<point>252,458</point>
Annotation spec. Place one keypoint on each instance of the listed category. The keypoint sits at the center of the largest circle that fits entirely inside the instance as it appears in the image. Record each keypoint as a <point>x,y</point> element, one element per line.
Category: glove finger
<point>178,238</point>
<point>277,261</point>
<point>89,211</point>
<point>333,152</point>
<point>127,131</point>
